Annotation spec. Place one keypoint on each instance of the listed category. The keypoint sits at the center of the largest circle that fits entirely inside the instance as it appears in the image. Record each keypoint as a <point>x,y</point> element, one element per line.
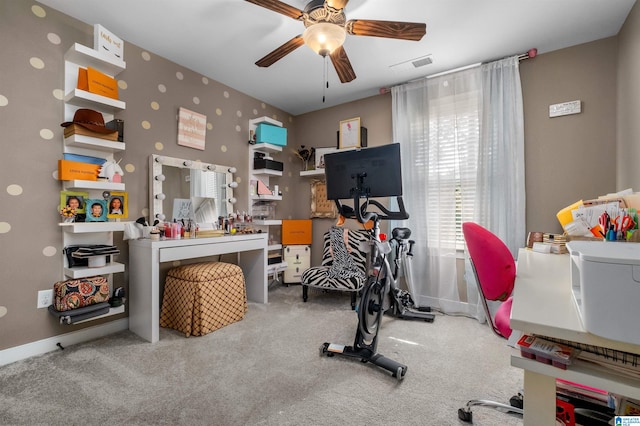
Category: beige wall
<point>571,157</point>
<point>562,153</point>
<point>628,104</point>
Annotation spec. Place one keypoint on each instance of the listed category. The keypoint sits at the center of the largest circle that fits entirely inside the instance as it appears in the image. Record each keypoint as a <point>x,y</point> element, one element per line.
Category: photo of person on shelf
<point>115,205</point>
<point>96,210</point>
<point>74,203</point>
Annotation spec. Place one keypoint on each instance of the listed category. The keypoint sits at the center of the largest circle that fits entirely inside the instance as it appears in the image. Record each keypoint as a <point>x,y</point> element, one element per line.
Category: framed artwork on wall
<point>74,199</point>
<point>118,207</point>
<point>349,136</point>
<point>192,128</point>
<point>96,210</point>
<point>320,206</point>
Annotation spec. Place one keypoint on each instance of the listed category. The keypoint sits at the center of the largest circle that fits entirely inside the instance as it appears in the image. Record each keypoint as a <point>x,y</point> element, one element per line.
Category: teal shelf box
<point>268,133</point>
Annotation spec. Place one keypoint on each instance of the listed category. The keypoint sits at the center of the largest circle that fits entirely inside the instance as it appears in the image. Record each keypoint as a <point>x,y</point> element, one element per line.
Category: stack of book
<point>557,242</point>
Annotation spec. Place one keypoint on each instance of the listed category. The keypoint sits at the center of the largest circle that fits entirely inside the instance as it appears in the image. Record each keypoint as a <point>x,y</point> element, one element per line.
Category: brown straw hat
<point>89,119</point>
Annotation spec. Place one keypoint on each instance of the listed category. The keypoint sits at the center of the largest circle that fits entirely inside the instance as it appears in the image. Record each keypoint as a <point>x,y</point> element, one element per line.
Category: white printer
<point>605,278</point>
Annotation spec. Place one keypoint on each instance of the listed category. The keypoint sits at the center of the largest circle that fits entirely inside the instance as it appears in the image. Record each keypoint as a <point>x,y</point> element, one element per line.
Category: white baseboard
<point>43,346</point>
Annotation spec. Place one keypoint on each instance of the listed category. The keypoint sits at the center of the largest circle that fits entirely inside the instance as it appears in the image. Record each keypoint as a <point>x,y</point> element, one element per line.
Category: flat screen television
<point>367,172</point>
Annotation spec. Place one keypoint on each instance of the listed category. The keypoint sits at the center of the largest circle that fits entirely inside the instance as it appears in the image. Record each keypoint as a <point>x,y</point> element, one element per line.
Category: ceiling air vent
<point>413,63</point>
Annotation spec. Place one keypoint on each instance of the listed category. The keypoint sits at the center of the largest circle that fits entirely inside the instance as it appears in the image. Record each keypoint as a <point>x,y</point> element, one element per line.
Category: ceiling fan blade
<point>337,4</point>
<point>342,65</point>
<point>389,29</point>
<point>278,6</point>
<point>281,52</point>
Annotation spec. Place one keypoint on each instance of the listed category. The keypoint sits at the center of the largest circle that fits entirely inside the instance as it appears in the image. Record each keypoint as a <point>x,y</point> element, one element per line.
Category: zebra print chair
<point>344,263</point>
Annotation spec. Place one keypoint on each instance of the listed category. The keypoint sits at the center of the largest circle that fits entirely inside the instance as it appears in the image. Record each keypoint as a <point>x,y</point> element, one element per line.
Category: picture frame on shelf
<point>349,133</point>
<point>118,205</point>
<point>320,206</point>
<point>319,156</point>
<point>96,210</point>
<point>73,198</point>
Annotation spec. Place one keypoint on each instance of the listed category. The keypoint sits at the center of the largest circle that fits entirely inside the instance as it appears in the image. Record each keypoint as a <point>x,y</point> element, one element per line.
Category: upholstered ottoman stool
<point>203,297</point>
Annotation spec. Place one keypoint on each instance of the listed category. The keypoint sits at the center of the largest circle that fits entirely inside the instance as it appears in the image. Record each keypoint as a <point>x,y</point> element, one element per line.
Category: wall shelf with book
<point>83,90</point>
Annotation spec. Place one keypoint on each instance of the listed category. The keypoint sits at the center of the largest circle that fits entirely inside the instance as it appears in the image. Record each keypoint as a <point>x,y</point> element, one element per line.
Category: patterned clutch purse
<point>77,293</point>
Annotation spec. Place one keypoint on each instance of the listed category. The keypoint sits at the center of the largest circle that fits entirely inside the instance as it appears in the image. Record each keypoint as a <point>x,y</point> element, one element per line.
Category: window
<point>451,155</point>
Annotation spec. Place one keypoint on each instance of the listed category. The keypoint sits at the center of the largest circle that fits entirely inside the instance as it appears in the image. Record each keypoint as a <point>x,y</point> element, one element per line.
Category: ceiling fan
<point>326,30</point>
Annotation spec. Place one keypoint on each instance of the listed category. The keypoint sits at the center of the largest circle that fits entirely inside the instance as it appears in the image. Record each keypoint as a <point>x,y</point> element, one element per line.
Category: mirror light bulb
<point>160,178</point>
<point>232,200</point>
<point>160,216</point>
<point>232,170</point>
<point>233,185</point>
<point>211,167</point>
<point>187,163</point>
<point>160,159</point>
<point>160,196</point>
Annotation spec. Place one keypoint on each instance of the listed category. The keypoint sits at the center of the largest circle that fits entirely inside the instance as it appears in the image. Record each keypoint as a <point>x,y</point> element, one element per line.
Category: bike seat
<point>401,233</point>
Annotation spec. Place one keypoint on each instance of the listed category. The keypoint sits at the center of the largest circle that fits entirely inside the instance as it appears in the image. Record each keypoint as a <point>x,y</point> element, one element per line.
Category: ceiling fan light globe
<point>324,37</point>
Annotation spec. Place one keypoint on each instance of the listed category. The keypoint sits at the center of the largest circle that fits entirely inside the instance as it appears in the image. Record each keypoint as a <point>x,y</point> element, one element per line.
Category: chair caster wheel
<point>465,416</point>
<point>516,401</point>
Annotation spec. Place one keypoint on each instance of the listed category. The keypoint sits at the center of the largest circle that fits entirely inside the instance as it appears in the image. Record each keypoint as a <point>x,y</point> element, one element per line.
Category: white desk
<point>145,257</point>
<point>543,304</point>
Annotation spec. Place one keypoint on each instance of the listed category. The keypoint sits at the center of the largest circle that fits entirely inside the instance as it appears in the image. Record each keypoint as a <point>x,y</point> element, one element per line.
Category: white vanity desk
<point>145,257</point>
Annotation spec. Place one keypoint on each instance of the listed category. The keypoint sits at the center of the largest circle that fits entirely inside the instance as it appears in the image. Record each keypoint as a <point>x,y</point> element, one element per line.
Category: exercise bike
<point>380,293</point>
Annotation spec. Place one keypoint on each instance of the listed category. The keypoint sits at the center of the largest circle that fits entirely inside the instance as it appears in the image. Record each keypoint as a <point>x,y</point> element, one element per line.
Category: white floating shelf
<point>94,184</point>
<point>305,173</point>
<point>112,311</point>
<point>82,272</point>
<point>267,172</point>
<point>81,141</point>
<point>84,99</point>
<point>274,247</point>
<point>86,227</point>
<point>268,222</point>
<point>267,147</point>
<point>266,197</point>
<point>86,56</point>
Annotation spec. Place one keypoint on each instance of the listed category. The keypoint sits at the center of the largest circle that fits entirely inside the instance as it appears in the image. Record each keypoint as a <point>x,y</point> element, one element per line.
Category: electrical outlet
<point>45,298</point>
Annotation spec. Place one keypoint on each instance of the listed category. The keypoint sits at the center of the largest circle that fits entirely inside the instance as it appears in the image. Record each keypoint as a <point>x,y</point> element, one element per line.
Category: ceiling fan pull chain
<point>325,82</point>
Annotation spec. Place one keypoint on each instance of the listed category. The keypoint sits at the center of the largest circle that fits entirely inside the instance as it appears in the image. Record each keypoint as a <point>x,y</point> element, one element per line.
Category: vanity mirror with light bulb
<point>180,188</point>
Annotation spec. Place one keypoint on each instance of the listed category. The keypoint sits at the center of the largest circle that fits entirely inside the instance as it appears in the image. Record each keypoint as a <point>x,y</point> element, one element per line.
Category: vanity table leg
<point>254,267</point>
<point>539,399</point>
<point>144,293</point>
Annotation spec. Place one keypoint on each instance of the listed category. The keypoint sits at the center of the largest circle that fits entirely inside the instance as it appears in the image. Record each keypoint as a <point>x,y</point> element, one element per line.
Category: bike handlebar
<point>363,216</point>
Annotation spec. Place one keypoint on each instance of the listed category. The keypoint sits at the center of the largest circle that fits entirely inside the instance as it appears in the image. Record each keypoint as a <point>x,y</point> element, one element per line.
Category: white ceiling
<point>222,39</point>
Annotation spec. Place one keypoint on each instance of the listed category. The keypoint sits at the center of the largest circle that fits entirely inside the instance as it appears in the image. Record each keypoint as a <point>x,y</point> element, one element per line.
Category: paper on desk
<point>565,215</point>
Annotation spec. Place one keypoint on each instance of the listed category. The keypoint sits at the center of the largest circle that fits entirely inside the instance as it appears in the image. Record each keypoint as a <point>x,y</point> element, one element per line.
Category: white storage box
<point>605,278</point>
<point>298,258</point>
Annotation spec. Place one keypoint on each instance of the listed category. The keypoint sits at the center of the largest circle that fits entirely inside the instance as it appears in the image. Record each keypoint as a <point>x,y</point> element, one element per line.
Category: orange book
<point>94,81</point>
<point>72,170</point>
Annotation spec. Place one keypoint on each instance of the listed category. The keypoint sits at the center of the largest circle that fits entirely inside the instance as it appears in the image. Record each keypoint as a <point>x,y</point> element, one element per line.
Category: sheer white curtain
<point>450,129</point>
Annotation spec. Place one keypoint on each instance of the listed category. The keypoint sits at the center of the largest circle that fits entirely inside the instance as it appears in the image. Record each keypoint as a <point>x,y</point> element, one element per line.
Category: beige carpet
<point>267,370</point>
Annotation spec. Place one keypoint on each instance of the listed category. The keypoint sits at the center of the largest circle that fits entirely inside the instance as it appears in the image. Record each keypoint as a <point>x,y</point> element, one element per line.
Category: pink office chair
<point>495,272</point>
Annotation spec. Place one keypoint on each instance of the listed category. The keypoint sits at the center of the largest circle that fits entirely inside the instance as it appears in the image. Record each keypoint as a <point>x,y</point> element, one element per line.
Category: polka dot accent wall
<point>31,110</point>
